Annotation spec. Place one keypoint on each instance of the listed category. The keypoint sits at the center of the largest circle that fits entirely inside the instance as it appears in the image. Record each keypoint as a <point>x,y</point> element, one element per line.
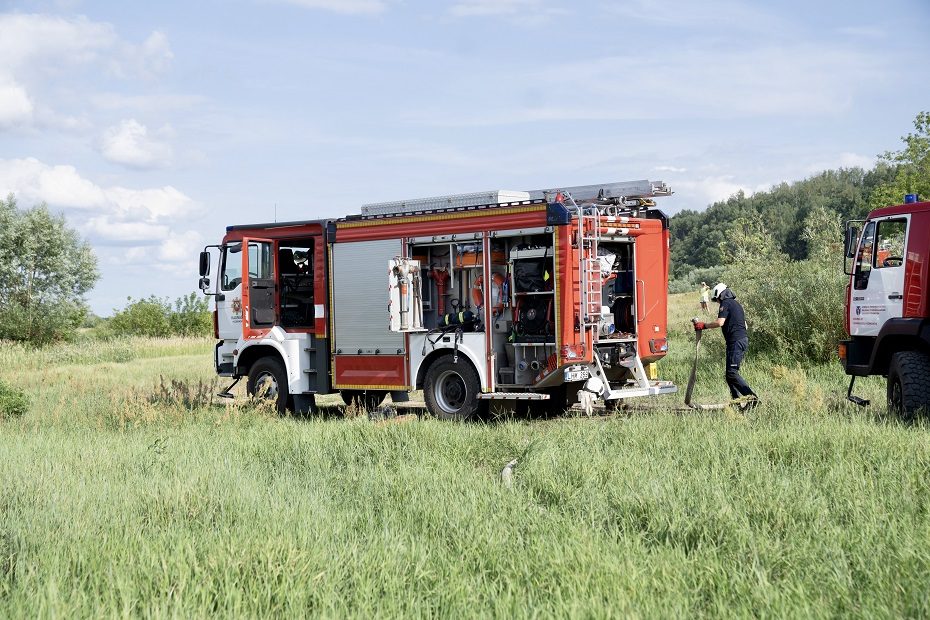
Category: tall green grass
<point>16,356</point>
<point>114,505</point>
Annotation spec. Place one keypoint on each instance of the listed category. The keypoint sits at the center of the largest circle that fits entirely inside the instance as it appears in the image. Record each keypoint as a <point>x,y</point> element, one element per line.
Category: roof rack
<point>472,199</point>
<point>633,194</point>
<point>609,193</point>
<point>478,207</point>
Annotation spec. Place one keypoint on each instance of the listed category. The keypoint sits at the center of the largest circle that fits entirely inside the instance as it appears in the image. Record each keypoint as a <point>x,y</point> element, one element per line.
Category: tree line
<point>699,238</point>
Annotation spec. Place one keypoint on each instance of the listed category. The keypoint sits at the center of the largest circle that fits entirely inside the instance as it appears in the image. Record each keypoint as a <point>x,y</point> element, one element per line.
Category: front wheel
<point>268,381</point>
<point>451,389</point>
<point>909,384</point>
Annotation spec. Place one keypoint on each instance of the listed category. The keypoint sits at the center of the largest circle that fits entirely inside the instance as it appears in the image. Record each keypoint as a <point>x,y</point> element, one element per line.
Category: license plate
<point>576,373</point>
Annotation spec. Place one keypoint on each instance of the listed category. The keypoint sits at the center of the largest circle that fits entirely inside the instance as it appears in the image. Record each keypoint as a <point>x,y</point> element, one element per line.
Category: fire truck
<point>526,297</point>
<point>887,309</point>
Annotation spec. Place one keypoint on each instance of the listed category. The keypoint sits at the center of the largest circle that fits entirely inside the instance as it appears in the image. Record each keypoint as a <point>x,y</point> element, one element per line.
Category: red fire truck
<point>516,296</point>
<point>887,309</point>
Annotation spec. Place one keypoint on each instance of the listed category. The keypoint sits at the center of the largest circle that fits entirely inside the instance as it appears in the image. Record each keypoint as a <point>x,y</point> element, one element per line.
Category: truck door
<point>878,281</point>
<point>229,300</point>
<point>259,288</point>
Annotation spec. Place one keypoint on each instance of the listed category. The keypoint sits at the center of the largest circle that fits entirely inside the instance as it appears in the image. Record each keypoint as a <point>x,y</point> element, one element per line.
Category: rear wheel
<point>268,381</point>
<point>909,384</point>
<point>451,389</point>
<point>366,399</point>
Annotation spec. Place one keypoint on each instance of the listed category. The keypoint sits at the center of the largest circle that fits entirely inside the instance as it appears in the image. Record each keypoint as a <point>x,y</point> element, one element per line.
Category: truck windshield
<point>232,267</point>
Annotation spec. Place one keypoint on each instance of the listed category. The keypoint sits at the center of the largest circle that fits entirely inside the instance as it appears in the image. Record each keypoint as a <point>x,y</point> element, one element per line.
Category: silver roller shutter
<point>360,294</point>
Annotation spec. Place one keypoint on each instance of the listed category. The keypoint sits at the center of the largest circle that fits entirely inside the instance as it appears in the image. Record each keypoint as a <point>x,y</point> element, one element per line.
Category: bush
<point>13,402</point>
<point>155,317</point>
<point>794,309</point>
<point>92,321</point>
<point>691,281</point>
<point>191,316</point>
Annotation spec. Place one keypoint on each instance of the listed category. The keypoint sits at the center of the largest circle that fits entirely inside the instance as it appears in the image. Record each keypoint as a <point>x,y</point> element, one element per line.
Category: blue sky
<point>152,126</point>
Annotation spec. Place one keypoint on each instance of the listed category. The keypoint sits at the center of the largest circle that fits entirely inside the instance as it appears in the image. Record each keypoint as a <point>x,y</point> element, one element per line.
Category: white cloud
<point>174,253</point>
<point>532,13</point>
<point>15,106</point>
<point>181,248</point>
<point>737,16</point>
<point>36,50</point>
<point>48,40</point>
<point>130,144</point>
<point>108,215</point>
<point>105,227</point>
<point>33,182</point>
<point>711,189</point>
<point>146,60</point>
<point>854,160</point>
<point>156,52</point>
<point>480,8</point>
<point>843,160</point>
<point>669,169</point>
<point>348,7</point>
<point>160,203</point>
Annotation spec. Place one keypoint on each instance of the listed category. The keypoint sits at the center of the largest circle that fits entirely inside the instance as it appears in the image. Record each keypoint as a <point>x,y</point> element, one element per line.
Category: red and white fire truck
<point>887,303</point>
<point>518,296</point>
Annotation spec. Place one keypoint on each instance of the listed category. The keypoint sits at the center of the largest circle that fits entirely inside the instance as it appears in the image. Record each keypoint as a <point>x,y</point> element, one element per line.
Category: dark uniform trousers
<point>736,351</point>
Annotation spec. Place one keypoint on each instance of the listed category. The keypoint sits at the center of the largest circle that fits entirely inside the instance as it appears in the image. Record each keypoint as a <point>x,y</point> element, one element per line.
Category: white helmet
<point>715,294</point>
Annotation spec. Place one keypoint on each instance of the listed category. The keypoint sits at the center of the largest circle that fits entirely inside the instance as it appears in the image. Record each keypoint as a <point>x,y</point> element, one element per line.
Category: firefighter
<point>732,321</point>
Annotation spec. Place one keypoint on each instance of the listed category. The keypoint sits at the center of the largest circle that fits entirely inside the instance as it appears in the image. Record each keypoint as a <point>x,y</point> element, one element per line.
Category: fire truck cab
<point>513,296</point>
<point>887,311</point>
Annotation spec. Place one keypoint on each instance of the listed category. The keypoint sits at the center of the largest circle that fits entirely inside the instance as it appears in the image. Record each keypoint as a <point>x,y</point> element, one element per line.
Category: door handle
<point>896,296</point>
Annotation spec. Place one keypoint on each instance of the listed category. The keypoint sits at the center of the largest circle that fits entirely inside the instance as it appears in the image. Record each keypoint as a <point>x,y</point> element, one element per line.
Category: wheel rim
<point>450,391</point>
<point>266,386</point>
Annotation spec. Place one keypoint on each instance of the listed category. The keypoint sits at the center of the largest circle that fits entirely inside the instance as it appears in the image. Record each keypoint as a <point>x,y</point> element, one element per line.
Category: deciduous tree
<point>45,271</point>
<point>912,165</point>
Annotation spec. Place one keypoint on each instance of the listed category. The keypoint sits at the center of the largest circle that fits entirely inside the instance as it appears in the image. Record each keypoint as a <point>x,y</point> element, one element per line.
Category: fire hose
<point>690,389</point>
<point>691,380</point>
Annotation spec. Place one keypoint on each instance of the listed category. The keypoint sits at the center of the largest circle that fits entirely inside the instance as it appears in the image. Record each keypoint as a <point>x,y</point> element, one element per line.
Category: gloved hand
<point>698,325</point>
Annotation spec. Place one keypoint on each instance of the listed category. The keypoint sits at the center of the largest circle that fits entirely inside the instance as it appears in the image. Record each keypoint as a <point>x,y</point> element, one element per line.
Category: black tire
<point>451,389</point>
<point>366,399</point>
<point>268,380</point>
<point>909,384</point>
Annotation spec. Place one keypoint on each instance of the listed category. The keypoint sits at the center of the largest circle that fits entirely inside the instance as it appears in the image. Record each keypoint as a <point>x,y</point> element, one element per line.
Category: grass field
<point>114,505</point>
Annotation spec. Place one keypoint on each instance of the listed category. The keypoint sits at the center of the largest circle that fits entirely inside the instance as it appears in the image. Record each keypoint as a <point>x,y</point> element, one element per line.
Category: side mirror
<point>849,243</point>
<point>204,263</point>
<point>204,284</point>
